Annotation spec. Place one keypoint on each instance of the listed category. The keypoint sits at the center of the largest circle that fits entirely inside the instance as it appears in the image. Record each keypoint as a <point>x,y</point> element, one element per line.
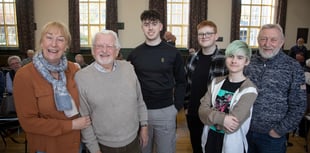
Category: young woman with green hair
<point>226,108</point>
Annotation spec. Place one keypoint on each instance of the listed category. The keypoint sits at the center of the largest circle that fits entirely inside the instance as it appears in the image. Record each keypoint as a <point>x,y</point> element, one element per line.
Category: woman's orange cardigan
<point>47,129</point>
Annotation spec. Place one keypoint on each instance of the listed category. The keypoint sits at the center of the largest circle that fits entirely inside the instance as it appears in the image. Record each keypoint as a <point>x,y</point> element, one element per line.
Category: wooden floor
<point>183,142</point>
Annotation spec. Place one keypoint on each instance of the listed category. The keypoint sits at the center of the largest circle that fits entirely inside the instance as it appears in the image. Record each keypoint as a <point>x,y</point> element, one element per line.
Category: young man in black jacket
<point>201,68</point>
<point>160,70</point>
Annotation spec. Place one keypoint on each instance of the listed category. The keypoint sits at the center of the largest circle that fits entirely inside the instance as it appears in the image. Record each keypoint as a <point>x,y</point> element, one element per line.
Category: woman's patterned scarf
<point>62,97</point>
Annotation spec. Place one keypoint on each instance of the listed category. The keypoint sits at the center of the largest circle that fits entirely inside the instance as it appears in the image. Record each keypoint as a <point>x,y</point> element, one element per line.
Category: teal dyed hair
<point>238,46</point>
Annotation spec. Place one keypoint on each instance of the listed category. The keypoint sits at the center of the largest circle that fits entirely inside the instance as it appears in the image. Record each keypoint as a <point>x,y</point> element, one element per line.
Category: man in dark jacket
<point>201,68</point>
<point>281,100</point>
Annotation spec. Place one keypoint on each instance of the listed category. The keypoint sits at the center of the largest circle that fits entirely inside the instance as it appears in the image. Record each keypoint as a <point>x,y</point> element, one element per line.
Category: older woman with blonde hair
<point>46,96</point>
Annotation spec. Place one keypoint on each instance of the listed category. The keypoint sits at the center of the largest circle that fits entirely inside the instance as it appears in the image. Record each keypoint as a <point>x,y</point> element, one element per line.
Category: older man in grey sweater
<point>110,94</point>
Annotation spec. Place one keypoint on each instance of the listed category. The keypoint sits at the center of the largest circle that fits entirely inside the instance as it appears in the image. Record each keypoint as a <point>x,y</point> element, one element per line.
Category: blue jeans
<point>263,143</point>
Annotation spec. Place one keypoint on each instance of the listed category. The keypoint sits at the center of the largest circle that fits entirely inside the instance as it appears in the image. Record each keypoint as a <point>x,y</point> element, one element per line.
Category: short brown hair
<point>151,15</point>
<point>207,23</point>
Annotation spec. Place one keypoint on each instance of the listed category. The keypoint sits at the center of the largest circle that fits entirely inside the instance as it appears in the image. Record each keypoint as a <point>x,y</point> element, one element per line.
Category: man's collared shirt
<point>102,69</point>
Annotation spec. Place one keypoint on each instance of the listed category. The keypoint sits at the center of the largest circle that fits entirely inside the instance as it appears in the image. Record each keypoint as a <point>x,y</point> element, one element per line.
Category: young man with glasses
<point>160,69</point>
<point>207,63</point>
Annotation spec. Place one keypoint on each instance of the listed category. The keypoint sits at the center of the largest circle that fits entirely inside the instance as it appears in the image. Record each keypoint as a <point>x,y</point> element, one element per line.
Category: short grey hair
<point>13,57</point>
<point>105,32</point>
<point>273,26</point>
<point>30,51</point>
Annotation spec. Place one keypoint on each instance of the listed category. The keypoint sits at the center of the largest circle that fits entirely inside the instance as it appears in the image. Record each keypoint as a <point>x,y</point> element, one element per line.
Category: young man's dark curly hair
<point>151,15</point>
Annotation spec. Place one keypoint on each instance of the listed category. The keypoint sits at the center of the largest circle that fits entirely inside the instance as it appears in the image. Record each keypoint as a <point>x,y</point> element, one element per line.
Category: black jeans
<point>195,127</point>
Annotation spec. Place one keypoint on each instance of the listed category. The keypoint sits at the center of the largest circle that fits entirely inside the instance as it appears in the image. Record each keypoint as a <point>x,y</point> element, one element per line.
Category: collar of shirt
<point>102,69</point>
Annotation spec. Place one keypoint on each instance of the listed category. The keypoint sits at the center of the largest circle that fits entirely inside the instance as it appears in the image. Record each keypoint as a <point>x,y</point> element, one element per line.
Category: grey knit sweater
<point>281,100</point>
<point>115,104</point>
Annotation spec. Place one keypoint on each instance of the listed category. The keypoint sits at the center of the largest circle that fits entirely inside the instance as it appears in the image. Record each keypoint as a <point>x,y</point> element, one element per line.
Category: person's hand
<point>185,111</point>
<point>81,123</point>
<point>274,134</point>
<point>300,58</point>
<point>191,51</point>
<point>98,151</point>
<point>231,123</point>
<point>144,137</point>
<point>173,38</point>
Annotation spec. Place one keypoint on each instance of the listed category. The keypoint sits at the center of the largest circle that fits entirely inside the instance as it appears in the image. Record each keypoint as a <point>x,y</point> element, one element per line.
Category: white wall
<point>298,12</point>
<point>47,10</point>
<point>219,11</point>
<point>129,12</point>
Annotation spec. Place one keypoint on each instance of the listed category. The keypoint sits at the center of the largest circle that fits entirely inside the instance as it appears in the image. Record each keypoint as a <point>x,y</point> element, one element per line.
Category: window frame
<point>91,28</point>
<point>249,32</point>
<point>180,30</point>
<point>6,26</point>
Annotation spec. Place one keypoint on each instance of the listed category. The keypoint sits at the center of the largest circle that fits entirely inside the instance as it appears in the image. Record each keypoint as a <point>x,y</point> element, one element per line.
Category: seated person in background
<point>307,71</point>
<point>299,52</point>
<point>27,60</point>
<point>307,75</point>
<point>170,38</point>
<point>14,63</point>
<point>79,59</point>
<point>1,86</point>
<point>303,125</point>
